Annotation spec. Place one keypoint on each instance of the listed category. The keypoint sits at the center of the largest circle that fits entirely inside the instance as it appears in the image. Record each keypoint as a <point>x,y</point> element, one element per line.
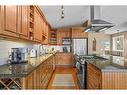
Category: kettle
<point>33,53</point>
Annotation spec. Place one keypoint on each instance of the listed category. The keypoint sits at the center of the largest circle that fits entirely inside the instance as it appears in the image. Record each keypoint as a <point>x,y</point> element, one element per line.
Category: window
<point>118,43</point>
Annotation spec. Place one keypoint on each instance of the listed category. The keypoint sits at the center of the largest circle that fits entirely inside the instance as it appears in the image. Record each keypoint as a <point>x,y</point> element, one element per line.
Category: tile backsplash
<point>6,45</point>
<point>5,48</point>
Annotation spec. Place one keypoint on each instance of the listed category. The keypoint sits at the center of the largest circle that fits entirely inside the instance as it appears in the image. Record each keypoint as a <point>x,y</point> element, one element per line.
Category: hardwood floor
<point>64,70</point>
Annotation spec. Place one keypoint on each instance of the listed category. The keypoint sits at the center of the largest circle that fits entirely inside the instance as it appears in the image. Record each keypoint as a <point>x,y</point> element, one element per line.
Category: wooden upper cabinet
<point>10,20</point>
<point>37,26</point>
<point>11,17</point>
<point>24,22</point>
<point>46,33</point>
<point>77,32</point>
<point>63,33</point>
<point>14,21</point>
<point>42,25</point>
<point>42,29</point>
<point>59,38</point>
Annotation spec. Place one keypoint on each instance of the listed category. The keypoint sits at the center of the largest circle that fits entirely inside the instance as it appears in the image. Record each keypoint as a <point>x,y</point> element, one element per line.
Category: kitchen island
<point>32,75</point>
<point>107,74</point>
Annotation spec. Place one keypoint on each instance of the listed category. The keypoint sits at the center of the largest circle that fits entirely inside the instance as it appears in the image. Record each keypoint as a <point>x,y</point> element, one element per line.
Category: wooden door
<point>24,22</point>
<point>37,26</point>
<point>10,20</point>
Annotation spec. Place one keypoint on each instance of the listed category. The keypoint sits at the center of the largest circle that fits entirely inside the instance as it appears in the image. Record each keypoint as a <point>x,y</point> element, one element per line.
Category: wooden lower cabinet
<point>37,79</point>
<point>40,77</point>
<point>63,59</point>
<point>28,82</point>
<point>97,79</point>
<point>93,77</point>
<point>114,80</point>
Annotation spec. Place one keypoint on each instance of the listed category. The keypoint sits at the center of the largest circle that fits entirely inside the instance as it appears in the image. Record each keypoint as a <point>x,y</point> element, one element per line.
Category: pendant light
<point>62,12</point>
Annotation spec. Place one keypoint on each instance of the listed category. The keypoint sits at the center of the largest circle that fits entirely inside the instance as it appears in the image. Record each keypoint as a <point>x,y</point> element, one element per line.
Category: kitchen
<point>41,48</point>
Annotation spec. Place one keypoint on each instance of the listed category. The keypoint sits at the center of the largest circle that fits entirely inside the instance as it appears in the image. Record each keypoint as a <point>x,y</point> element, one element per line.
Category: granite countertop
<point>113,63</point>
<point>22,69</point>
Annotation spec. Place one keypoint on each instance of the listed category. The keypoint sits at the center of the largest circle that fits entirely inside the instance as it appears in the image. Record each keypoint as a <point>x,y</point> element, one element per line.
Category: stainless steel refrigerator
<point>80,46</point>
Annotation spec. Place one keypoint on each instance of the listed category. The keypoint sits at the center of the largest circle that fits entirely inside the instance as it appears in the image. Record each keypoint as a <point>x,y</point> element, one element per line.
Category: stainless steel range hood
<point>97,25</point>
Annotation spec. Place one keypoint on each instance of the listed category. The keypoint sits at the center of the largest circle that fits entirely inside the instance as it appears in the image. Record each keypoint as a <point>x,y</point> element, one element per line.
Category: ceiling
<point>116,15</point>
<point>77,15</point>
<point>74,15</point>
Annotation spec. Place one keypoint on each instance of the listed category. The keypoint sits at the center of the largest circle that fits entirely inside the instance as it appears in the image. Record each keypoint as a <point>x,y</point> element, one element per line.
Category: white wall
<point>56,48</point>
<point>116,15</point>
<point>100,37</point>
<point>5,48</point>
<point>6,45</point>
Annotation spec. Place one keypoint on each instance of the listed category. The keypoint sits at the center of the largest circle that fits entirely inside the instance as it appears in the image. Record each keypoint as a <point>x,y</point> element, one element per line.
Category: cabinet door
<point>59,38</point>
<point>37,26</point>
<point>46,34</point>
<point>63,33</point>
<point>77,32</point>
<point>10,20</point>
<point>64,59</point>
<point>93,77</point>
<point>42,29</point>
<point>38,78</point>
<point>30,81</point>
<point>24,22</point>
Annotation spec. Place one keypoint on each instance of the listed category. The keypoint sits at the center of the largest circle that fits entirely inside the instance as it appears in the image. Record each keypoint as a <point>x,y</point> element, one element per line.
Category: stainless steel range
<point>81,65</point>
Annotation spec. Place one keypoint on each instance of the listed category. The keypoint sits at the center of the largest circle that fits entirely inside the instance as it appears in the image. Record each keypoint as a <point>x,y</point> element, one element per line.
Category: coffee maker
<point>18,55</point>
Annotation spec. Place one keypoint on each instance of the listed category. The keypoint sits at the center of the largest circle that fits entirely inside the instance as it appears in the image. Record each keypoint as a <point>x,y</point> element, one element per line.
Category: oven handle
<point>78,65</point>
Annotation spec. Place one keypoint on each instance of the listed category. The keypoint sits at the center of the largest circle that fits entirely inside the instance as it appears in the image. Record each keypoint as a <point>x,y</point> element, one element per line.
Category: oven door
<point>81,75</point>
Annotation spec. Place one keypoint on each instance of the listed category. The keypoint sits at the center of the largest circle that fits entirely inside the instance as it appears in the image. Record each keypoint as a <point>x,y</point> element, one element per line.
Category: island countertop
<point>22,69</point>
<point>120,65</point>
